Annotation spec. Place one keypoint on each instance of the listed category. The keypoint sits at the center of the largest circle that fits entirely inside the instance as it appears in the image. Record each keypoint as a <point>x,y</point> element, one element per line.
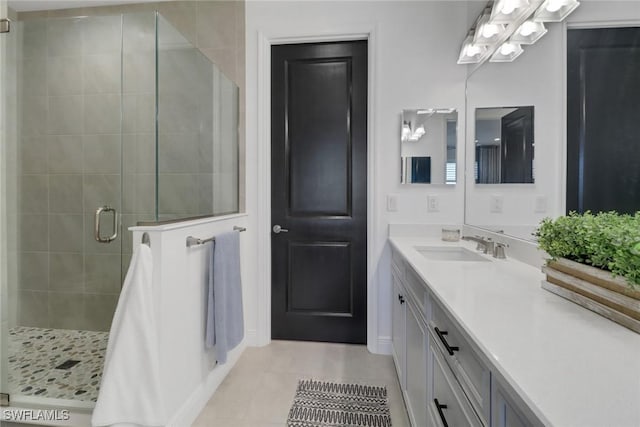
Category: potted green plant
<point>595,262</point>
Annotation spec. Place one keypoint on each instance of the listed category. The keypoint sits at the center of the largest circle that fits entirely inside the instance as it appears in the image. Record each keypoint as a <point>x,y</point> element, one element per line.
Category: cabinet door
<point>503,412</point>
<point>416,371</point>
<point>398,332</point>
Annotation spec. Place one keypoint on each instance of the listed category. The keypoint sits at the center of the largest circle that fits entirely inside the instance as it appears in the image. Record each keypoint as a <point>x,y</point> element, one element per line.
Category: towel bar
<point>194,241</point>
<point>145,239</point>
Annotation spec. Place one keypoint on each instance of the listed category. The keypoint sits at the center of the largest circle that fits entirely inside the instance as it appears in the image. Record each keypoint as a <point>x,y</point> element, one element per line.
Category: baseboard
<point>193,406</point>
<point>385,345</point>
<point>251,338</point>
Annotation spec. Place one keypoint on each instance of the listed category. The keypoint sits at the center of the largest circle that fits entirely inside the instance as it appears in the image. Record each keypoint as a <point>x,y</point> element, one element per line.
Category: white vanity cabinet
<point>445,379</point>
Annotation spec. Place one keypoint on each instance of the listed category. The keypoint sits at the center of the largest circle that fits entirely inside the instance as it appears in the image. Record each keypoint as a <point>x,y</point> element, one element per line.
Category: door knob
<point>277,229</point>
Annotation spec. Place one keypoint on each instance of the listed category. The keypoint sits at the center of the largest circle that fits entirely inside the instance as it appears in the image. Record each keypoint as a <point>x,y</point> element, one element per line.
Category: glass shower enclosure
<point>109,121</point>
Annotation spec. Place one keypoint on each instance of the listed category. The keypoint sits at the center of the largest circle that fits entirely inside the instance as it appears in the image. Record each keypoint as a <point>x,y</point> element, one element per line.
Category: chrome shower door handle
<point>97,234</point>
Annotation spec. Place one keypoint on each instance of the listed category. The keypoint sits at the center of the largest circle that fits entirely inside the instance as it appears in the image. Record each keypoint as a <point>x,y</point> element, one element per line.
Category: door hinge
<point>5,25</point>
<point>4,399</point>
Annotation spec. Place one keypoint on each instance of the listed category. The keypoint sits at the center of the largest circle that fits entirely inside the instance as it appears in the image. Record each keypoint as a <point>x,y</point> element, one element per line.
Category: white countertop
<point>573,367</point>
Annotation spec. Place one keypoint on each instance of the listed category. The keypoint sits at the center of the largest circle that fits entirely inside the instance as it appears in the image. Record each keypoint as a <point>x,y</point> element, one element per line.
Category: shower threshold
<point>56,363</point>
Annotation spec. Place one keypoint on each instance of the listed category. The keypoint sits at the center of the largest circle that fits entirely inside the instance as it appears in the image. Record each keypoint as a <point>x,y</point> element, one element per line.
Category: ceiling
<point>31,5</point>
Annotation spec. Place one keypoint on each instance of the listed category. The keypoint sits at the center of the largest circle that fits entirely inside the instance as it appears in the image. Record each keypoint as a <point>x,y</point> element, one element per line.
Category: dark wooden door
<point>517,146</point>
<point>319,191</point>
<point>603,120</point>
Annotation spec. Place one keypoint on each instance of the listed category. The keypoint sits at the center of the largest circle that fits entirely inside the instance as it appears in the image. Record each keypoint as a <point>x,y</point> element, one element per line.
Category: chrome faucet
<point>488,246</point>
<point>482,243</point>
<point>498,251</point>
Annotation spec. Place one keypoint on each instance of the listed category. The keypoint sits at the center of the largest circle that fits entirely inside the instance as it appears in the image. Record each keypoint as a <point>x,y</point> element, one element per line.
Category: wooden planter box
<point>596,290</point>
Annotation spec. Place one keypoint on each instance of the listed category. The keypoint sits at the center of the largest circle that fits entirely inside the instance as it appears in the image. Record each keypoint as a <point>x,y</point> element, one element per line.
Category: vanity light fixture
<point>419,133</point>
<point>487,32</point>
<point>471,53</point>
<point>505,25</point>
<point>409,135</point>
<point>406,131</point>
<point>529,32</point>
<point>555,10</point>
<point>508,11</point>
<point>507,52</point>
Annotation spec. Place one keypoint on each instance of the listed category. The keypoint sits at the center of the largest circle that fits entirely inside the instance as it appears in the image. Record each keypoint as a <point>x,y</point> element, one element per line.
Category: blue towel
<point>225,321</point>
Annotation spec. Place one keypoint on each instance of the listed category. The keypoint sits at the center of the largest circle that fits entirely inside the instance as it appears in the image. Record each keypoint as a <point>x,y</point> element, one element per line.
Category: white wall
<point>415,49</point>
<point>536,78</point>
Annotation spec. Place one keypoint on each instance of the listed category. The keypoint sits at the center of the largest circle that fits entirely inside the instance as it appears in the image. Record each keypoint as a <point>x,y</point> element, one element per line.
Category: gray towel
<point>225,322</point>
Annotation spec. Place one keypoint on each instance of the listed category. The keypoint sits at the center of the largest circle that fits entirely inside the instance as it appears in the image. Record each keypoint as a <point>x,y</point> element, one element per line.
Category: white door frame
<point>264,174</point>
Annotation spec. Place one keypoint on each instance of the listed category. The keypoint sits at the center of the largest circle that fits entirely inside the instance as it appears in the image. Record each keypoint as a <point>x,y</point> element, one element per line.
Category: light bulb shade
<point>471,53</point>
<point>487,32</point>
<point>529,32</point>
<point>406,131</point>
<point>508,11</point>
<point>555,10</point>
<point>507,52</point>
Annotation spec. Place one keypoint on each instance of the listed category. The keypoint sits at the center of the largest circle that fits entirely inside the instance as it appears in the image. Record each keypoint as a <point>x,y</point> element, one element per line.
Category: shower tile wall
<point>215,28</point>
<point>70,132</point>
<point>195,109</point>
<point>60,141</point>
<point>138,125</point>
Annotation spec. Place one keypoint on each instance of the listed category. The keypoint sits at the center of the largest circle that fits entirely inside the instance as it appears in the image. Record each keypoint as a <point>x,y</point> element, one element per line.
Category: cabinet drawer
<point>448,405</point>
<point>473,375</point>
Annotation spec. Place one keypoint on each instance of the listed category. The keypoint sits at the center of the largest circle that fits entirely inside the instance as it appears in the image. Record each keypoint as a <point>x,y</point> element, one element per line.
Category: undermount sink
<point>449,253</point>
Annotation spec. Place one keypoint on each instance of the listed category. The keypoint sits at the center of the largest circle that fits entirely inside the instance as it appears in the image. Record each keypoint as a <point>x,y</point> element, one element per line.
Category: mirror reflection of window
<point>428,146</point>
<point>504,145</point>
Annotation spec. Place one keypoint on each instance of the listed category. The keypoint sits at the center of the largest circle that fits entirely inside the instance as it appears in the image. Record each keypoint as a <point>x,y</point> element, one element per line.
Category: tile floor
<point>34,354</point>
<point>259,390</point>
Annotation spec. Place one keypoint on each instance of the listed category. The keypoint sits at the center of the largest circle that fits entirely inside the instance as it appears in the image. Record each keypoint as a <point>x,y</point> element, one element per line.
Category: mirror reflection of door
<point>603,111</point>
<point>504,145</point>
<point>517,147</point>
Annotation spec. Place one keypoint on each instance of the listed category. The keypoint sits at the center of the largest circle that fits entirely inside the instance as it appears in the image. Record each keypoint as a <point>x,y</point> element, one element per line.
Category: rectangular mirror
<point>428,146</point>
<point>504,145</point>
<point>581,97</point>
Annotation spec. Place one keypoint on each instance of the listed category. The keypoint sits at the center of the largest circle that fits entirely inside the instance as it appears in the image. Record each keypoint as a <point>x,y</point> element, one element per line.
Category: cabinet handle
<point>440,408</point>
<point>401,299</point>
<point>441,334</point>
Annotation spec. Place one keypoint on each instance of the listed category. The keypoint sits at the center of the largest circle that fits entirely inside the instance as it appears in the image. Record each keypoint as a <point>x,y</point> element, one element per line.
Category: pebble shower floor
<point>37,363</point>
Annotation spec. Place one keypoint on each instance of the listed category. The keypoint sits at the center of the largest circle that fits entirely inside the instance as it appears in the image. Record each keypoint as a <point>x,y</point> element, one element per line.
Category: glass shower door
<point>67,207</point>
<point>78,168</point>
<point>4,313</point>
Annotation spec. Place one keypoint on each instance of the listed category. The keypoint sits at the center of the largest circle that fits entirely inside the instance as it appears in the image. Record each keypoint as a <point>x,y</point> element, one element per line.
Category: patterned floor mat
<point>328,404</point>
